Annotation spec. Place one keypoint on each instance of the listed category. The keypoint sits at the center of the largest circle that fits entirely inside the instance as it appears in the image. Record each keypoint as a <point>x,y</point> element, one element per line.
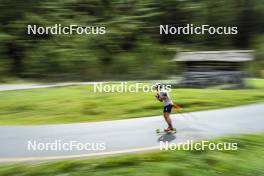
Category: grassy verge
<point>18,81</point>
<point>246,161</point>
<point>255,83</point>
<point>78,104</point>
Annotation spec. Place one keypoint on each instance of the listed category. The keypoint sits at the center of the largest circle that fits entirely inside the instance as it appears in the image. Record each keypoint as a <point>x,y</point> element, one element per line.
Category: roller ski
<point>166,131</point>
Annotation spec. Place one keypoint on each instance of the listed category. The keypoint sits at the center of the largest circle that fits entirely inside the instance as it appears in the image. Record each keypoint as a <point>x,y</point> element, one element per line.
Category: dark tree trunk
<point>15,53</point>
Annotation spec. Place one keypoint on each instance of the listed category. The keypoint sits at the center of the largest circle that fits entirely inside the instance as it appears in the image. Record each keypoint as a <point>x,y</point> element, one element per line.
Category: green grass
<point>78,104</point>
<point>10,81</point>
<point>256,83</point>
<point>246,161</point>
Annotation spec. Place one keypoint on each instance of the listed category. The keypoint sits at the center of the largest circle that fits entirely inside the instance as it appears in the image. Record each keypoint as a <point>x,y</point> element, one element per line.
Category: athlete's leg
<point>168,119</point>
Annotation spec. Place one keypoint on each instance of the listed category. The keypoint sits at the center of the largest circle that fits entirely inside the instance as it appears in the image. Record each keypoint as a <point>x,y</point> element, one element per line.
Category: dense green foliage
<point>132,47</point>
<point>246,161</point>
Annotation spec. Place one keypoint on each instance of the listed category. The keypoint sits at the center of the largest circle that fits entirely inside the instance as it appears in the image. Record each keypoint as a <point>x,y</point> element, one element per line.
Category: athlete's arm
<point>159,97</point>
<point>163,96</point>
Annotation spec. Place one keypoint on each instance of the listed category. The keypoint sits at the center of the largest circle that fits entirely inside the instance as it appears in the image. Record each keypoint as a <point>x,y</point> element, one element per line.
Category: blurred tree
<point>132,47</point>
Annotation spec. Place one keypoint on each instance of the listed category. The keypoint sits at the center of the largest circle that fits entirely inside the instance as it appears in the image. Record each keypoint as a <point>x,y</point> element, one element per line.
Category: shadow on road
<point>166,137</point>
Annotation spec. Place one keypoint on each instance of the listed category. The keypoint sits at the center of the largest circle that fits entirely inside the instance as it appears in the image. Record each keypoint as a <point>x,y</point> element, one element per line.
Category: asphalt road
<point>122,136</point>
<point>7,87</point>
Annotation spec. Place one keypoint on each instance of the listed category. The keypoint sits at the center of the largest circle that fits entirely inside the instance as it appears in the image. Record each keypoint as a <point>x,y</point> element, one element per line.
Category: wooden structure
<point>205,68</point>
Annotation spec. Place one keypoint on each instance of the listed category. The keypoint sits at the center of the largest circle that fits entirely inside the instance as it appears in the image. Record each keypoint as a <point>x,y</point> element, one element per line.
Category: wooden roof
<point>222,56</point>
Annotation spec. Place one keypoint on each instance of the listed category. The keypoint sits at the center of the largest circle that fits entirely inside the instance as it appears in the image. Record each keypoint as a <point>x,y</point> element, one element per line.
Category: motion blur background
<point>132,48</point>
